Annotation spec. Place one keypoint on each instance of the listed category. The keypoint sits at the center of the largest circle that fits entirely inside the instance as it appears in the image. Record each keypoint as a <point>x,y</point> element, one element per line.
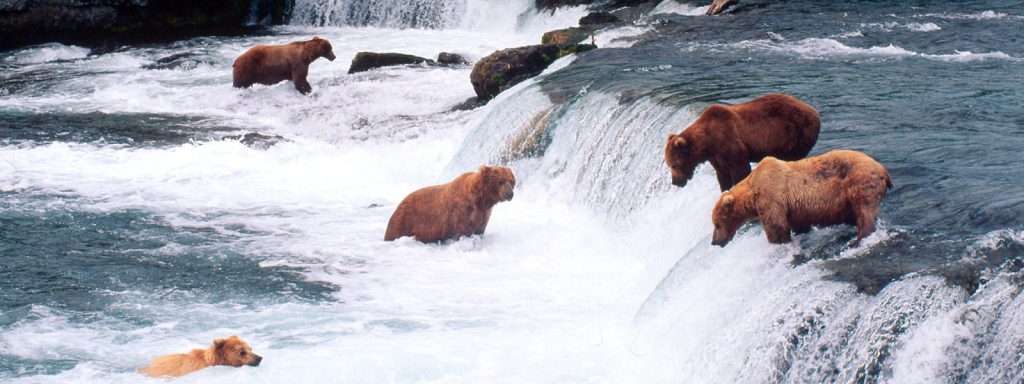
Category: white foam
<point>679,8</point>
<point>825,48</point>
<point>47,53</point>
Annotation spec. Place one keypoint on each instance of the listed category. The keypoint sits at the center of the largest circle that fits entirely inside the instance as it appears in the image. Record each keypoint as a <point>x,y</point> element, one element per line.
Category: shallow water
<point>134,223</point>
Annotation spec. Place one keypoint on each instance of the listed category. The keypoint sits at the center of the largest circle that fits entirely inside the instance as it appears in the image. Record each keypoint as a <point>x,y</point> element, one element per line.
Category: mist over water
<point>134,223</point>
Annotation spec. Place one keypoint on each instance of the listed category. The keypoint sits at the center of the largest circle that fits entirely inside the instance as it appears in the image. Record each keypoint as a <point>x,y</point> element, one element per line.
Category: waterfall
<point>484,15</point>
<point>749,312</point>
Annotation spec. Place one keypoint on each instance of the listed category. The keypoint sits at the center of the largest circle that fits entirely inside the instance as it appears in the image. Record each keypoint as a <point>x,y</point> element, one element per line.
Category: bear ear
<point>727,202</point>
<point>219,343</point>
<point>316,37</point>
<point>679,141</point>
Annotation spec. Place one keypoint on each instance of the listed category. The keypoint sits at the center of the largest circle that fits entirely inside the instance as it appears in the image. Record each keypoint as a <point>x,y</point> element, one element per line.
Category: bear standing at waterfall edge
<point>272,64</point>
<point>459,208</point>
<point>839,187</point>
<point>732,137</point>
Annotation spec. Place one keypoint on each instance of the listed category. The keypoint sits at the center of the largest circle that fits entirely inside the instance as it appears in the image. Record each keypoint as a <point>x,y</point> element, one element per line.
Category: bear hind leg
<point>866,215</point>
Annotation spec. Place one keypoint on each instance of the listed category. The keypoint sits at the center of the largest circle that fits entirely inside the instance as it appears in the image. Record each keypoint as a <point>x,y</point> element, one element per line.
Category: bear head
<point>496,183</point>
<point>317,48</point>
<point>232,351</point>
<point>681,158</point>
<point>727,220</point>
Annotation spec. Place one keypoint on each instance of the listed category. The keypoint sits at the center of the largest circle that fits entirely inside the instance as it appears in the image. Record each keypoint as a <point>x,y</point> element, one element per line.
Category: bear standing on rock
<point>839,187</point>
<point>459,208</point>
<point>271,64</point>
<point>732,137</point>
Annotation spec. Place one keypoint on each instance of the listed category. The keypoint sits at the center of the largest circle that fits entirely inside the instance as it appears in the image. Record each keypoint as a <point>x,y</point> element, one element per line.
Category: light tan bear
<point>232,351</point>
<point>839,187</point>
<point>459,208</point>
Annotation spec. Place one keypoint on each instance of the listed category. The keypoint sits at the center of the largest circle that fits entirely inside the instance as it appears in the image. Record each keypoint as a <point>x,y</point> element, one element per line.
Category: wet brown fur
<point>232,351</point>
<point>271,64</point>
<point>839,187</point>
<point>732,137</point>
<point>459,208</point>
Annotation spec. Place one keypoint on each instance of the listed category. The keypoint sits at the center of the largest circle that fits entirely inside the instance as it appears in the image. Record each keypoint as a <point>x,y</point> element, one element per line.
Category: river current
<point>135,223</point>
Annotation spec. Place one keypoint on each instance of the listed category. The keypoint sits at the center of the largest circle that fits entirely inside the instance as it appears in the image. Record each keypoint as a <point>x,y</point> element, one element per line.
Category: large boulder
<point>508,67</point>
<point>365,61</point>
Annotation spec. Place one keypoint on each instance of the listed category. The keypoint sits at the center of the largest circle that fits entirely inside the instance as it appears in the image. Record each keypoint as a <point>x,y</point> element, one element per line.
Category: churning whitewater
<point>135,222</point>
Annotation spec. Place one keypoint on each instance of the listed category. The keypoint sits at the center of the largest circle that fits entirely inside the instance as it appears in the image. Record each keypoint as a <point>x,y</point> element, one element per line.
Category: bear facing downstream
<point>838,187</point>
<point>271,64</point>
<point>459,208</point>
<point>732,137</point>
<point>232,351</point>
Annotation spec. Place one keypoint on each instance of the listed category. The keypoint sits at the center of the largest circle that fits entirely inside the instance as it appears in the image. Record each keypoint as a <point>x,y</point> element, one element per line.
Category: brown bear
<point>835,188</point>
<point>232,351</point>
<point>732,137</point>
<point>459,208</point>
<point>271,64</point>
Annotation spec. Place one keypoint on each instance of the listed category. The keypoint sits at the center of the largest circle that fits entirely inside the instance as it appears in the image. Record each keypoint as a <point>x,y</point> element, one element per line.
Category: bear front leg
<point>739,171</point>
<point>776,225</point>
<point>299,78</point>
<point>722,173</point>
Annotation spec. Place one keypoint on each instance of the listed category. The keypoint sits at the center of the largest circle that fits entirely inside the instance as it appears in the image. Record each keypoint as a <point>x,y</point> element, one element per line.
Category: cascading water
<point>133,222</point>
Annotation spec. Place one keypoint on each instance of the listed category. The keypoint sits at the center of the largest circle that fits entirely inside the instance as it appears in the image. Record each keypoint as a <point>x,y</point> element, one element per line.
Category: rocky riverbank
<point>94,22</point>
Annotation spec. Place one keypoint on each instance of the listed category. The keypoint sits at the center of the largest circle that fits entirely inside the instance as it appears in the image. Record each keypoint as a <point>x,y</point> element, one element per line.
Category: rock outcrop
<point>508,67</point>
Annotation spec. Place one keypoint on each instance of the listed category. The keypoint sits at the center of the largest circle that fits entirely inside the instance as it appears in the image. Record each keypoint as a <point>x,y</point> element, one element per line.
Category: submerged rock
<point>257,140</point>
<point>451,59</point>
<point>365,61</point>
<point>182,61</point>
<point>508,67</point>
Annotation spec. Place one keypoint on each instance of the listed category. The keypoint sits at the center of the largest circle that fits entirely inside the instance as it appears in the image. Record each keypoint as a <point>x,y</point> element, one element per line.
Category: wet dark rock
<point>365,61</point>
<point>451,59</point>
<point>181,61</point>
<point>257,140</point>
<point>598,18</point>
<point>88,22</point>
<point>566,37</point>
<point>508,67</point>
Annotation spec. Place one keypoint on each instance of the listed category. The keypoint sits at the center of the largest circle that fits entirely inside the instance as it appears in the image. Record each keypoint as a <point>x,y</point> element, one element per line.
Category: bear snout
<point>508,196</point>
<point>679,182</point>
<point>330,56</point>
<point>256,359</point>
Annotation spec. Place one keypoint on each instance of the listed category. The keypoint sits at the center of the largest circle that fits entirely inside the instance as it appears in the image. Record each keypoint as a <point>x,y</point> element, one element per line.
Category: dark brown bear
<point>271,64</point>
<point>839,187</point>
<point>459,208</point>
<point>732,137</point>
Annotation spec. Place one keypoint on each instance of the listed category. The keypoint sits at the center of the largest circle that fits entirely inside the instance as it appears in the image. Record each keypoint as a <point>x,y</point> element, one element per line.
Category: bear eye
<point>242,353</point>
